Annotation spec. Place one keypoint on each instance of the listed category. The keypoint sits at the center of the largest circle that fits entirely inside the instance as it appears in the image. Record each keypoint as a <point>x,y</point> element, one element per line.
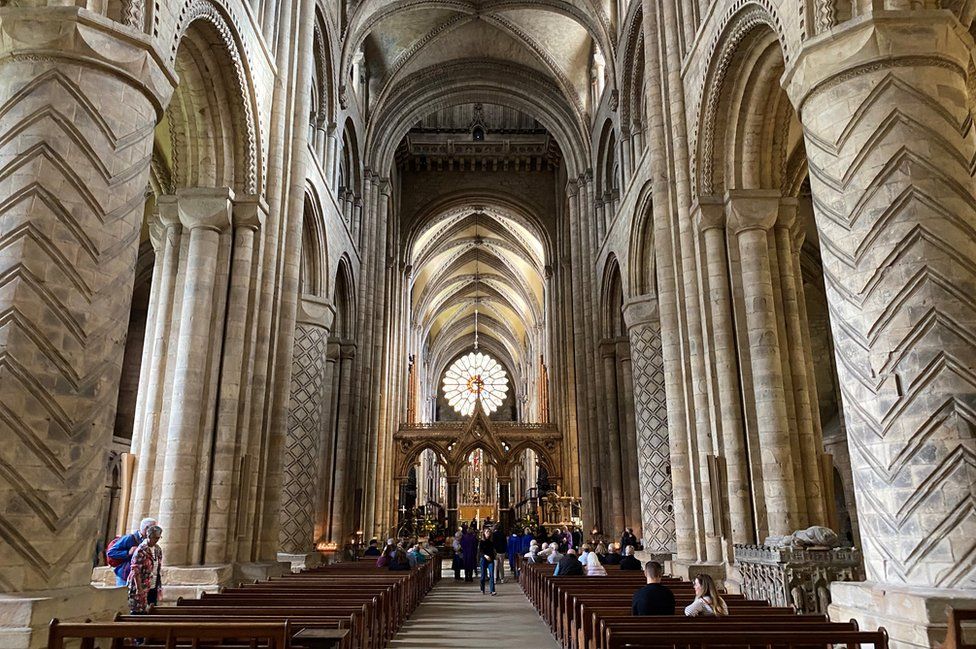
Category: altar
<point>468,513</point>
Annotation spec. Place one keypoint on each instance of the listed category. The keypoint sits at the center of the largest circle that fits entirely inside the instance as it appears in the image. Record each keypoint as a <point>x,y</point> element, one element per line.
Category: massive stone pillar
<point>206,216</point>
<point>751,216</point>
<point>710,223</point>
<point>79,97</point>
<point>305,420</point>
<point>888,128</point>
<point>650,407</point>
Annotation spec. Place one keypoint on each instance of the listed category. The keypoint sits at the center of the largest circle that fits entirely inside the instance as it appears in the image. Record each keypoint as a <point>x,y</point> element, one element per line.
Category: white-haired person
<point>119,553</point>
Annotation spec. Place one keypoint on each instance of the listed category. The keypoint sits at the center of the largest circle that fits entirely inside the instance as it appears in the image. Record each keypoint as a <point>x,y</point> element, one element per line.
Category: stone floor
<point>457,615</point>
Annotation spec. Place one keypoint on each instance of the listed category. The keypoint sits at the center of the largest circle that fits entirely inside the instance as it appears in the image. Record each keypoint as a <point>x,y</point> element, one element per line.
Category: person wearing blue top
<point>514,547</point>
<point>120,552</point>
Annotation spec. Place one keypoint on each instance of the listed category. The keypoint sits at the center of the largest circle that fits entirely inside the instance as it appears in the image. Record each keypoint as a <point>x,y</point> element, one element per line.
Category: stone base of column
<point>25,617</point>
<point>688,569</point>
<point>299,562</point>
<point>913,617</point>
<point>192,581</point>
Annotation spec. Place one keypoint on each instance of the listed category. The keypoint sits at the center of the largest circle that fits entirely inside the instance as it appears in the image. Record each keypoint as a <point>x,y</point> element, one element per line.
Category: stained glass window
<point>473,377</point>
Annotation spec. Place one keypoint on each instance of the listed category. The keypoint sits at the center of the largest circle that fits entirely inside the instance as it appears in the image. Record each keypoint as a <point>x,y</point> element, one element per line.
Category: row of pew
<point>344,605</point>
<point>595,613</point>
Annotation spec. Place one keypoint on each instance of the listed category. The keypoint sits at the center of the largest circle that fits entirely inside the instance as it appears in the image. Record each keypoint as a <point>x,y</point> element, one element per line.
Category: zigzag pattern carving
<point>295,532</point>
<point>891,164</point>
<point>74,159</point>
<point>653,445</point>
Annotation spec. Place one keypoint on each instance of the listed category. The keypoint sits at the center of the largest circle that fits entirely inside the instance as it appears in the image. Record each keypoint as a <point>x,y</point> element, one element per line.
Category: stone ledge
<point>914,617</point>
<point>25,617</point>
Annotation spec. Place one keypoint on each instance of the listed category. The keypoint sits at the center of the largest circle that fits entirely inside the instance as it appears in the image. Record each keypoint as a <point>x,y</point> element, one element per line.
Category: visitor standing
<point>457,563</point>
<point>144,580</point>
<point>501,549</point>
<point>486,550</point>
<point>120,551</point>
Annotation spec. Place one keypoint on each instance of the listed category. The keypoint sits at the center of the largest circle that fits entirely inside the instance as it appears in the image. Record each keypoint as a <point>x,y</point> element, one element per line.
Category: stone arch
<point>210,129</point>
<point>642,263</point>
<point>744,55</point>
<point>312,279</point>
<point>350,176</point>
<point>473,81</point>
<point>608,176</point>
<point>612,300</point>
<point>344,300</point>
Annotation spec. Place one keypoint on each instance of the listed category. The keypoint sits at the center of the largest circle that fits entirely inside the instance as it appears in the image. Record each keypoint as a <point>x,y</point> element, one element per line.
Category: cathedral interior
<point>290,276</point>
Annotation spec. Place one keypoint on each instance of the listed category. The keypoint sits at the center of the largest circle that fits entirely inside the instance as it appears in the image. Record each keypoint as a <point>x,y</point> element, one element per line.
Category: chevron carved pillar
<point>890,143</point>
<point>78,103</point>
<point>305,421</point>
<point>650,408</point>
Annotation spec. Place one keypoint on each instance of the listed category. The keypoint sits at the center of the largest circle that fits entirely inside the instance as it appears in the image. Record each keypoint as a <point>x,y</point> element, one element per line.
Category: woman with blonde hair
<point>707,601</point>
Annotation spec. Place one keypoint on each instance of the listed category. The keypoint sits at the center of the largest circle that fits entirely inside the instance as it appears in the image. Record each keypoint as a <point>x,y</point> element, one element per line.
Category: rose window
<point>473,377</point>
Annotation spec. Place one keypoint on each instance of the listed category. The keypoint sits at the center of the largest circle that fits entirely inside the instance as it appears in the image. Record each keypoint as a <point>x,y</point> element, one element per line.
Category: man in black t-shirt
<point>654,598</point>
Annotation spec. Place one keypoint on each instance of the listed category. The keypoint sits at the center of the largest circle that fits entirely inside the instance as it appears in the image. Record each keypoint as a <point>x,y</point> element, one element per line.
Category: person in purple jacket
<point>469,552</point>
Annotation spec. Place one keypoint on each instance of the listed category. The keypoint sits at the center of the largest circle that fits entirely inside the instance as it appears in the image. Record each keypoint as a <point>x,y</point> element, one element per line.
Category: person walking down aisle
<point>487,551</point>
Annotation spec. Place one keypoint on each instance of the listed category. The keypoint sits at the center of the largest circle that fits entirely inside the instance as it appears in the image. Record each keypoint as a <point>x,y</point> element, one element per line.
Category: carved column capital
<point>641,310</point>
<point>207,208</point>
<point>250,211</point>
<point>751,209</point>
<point>709,213</point>
<point>315,311</point>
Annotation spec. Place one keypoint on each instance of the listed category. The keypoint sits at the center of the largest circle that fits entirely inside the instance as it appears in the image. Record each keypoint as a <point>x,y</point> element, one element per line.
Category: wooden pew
<point>269,635</point>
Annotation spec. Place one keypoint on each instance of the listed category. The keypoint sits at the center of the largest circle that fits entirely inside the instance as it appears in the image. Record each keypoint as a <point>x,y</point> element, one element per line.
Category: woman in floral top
<point>144,581</point>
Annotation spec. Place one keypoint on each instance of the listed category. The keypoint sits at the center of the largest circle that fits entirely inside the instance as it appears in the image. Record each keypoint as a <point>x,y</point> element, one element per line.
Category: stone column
<point>79,97</point>
<point>710,223</point>
<point>305,409</point>
<point>628,435</point>
<point>810,438</point>
<point>205,213</point>
<point>231,429</point>
<point>328,444</point>
<point>751,215</point>
<point>145,444</point>
<point>650,408</point>
<point>888,130</point>
<point>347,353</point>
<point>610,455</point>
<point>452,504</point>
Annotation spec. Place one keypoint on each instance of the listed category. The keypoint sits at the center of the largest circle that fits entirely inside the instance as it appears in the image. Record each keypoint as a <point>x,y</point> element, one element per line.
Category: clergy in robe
<point>469,552</point>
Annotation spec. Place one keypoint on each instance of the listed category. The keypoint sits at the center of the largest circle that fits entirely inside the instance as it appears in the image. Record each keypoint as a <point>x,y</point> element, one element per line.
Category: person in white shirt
<point>707,601</point>
<point>593,566</point>
<point>555,555</point>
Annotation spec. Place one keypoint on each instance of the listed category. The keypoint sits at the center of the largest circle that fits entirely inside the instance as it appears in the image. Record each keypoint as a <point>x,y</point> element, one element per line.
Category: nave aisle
<point>456,615</point>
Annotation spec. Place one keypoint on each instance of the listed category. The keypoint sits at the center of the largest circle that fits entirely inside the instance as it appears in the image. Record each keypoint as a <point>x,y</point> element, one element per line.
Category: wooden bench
<point>595,613</point>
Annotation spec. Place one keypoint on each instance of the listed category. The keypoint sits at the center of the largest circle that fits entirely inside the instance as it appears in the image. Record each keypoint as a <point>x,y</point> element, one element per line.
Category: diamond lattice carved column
<point>650,407</point>
<point>889,138</point>
<point>305,412</point>
<point>79,98</point>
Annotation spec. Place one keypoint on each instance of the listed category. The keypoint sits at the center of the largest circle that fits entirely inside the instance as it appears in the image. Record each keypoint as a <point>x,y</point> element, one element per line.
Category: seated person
<point>707,601</point>
<point>373,550</point>
<point>569,566</point>
<point>613,558</point>
<point>601,553</point>
<point>558,552</point>
<point>532,556</point>
<point>585,552</point>
<point>654,598</point>
<point>418,558</point>
<point>399,560</point>
<point>593,566</point>
<point>629,561</point>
